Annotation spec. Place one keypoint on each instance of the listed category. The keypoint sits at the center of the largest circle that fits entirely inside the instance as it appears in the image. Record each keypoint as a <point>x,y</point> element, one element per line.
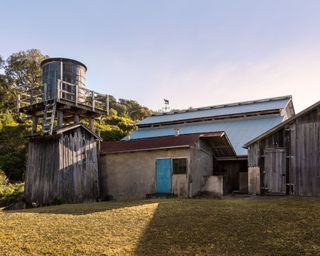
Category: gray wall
<point>201,166</point>
<point>62,168</point>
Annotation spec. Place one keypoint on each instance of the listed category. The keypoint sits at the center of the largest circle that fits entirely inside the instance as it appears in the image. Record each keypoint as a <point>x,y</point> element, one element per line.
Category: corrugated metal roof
<point>283,124</point>
<point>221,110</point>
<point>172,141</point>
<point>239,131</point>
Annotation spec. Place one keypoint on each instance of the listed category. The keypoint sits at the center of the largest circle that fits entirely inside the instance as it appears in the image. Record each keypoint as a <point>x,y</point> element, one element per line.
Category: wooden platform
<point>68,107</point>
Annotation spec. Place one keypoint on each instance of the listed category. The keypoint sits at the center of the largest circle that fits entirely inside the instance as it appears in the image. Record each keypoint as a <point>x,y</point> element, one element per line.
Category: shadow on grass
<point>177,228</point>
<point>232,227</point>
<point>83,208</point>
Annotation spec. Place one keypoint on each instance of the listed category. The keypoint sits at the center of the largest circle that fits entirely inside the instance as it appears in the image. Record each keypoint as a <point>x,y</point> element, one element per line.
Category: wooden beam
<point>60,118</point>
<point>91,124</point>
<point>76,119</point>
<point>34,124</point>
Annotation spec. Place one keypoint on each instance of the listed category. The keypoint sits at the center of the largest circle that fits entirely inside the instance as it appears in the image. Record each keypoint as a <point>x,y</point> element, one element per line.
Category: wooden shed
<point>62,167</point>
<point>286,159</point>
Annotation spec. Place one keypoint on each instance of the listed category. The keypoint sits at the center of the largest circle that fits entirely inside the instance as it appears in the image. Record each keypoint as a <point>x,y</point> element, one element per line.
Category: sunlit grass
<point>233,226</point>
<point>88,229</point>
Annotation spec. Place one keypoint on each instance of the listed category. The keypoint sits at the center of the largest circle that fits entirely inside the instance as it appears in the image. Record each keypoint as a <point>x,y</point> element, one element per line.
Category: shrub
<point>9,192</point>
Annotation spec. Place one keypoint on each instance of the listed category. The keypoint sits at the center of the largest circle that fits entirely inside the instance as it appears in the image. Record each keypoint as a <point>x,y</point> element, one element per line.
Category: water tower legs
<point>91,124</point>
<point>34,124</point>
<point>76,119</point>
<point>60,118</point>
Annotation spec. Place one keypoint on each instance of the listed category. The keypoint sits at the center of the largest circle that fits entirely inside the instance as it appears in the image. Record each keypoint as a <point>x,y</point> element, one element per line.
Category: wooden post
<point>76,119</point>
<point>34,124</point>
<point>91,124</point>
<point>77,95</point>
<point>60,118</point>
<point>93,102</point>
<point>98,143</point>
<point>58,90</point>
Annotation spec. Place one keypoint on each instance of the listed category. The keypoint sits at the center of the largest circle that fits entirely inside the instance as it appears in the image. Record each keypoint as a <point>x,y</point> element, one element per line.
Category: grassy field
<point>232,226</point>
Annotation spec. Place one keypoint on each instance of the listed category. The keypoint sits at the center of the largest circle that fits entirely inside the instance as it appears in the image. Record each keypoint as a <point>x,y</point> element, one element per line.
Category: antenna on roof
<point>166,107</point>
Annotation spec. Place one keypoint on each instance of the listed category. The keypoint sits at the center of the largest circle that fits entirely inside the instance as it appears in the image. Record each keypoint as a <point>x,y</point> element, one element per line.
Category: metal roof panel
<point>239,131</point>
<point>221,110</point>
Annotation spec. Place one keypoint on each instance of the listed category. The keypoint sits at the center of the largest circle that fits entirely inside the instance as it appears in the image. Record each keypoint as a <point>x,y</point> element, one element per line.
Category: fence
<point>65,92</point>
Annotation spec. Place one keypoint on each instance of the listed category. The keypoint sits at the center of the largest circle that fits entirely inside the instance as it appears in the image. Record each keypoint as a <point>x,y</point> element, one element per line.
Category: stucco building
<point>141,164</point>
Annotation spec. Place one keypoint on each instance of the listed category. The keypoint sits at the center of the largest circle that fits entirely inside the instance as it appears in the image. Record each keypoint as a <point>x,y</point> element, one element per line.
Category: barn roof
<point>218,140</point>
<point>239,131</point>
<point>261,105</point>
<point>281,125</point>
<point>64,129</point>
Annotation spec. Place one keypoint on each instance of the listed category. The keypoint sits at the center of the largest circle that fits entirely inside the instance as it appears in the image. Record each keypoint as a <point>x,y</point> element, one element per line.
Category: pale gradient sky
<point>194,53</point>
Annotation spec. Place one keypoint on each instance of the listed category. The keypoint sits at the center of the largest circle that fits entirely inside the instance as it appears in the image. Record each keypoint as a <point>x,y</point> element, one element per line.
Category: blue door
<point>164,175</point>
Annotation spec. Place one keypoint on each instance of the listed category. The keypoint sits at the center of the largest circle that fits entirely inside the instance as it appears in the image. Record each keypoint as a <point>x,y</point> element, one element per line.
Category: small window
<point>179,165</point>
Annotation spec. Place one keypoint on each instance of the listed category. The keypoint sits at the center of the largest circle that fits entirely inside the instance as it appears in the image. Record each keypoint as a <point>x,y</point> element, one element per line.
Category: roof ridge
<point>248,102</point>
<point>172,135</point>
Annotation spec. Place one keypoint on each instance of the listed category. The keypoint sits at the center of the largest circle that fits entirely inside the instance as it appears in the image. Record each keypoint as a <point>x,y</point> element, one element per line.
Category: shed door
<point>164,175</point>
<point>275,170</point>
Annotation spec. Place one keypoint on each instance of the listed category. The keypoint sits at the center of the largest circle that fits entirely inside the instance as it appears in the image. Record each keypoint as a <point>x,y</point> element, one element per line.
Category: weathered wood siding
<point>275,170</point>
<point>62,168</point>
<point>300,159</point>
<point>305,159</point>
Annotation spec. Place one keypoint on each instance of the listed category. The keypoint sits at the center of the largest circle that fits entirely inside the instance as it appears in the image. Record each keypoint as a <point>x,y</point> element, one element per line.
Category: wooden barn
<point>62,158</point>
<point>128,173</point>
<point>286,158</point>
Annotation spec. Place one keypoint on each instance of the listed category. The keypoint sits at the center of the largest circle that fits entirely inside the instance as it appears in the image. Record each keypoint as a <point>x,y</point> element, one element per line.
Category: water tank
<point>69,71</point>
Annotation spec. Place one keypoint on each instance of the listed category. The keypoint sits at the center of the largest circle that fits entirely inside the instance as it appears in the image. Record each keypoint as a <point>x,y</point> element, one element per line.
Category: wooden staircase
<point>48,117</point>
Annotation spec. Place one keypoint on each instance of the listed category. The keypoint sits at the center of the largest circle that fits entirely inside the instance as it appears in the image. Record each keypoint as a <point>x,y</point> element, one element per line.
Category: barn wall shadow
<point>175,231</point>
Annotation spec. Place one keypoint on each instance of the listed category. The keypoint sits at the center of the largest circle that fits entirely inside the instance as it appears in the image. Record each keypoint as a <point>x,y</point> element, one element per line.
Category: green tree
<point>23,68</point>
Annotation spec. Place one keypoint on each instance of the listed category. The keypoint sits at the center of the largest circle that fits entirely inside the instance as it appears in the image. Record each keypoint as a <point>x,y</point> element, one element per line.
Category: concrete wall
<point>132,175</point>
<point>180,184</point>
<point>201,166</point>
<point>214,186</point>
<point>254,180</point>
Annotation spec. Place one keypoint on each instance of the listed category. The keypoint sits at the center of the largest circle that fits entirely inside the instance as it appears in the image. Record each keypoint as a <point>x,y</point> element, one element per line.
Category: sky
<point>194,53</point>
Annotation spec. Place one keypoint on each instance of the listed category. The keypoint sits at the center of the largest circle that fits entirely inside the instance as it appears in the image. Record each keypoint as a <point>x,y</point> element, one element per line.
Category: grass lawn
<point>232,226</point>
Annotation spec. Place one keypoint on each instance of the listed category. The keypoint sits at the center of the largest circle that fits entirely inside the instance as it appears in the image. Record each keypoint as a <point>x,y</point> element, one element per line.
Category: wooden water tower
<point>62,161</point>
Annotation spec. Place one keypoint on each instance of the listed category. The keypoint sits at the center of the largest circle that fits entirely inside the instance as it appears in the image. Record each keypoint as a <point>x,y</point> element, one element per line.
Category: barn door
<point>163,175</point>
<point>275,170</point>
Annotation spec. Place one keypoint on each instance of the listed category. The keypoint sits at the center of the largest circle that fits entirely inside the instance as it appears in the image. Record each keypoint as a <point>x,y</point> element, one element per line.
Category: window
<point>179,166</point>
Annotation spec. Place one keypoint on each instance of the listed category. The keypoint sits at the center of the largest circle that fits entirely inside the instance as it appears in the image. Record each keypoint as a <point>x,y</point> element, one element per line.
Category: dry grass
<point>233,226</point>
